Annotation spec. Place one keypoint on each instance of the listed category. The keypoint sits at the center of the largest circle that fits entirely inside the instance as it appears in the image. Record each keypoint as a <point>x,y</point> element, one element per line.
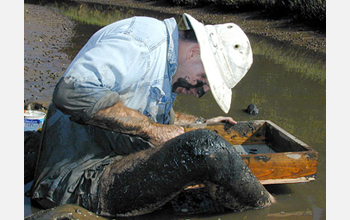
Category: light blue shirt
<point>131,61</point>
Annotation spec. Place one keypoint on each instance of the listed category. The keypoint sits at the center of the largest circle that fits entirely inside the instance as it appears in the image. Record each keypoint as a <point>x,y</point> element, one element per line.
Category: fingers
<point>230,120</point>
<point>179,130</point>
<point>221,119</point>
<point>272,199</point>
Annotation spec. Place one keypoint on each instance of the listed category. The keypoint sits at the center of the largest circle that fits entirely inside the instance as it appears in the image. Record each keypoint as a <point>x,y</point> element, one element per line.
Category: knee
<point>209,139</point>
<point>202,142</point>
<point>204,136</point>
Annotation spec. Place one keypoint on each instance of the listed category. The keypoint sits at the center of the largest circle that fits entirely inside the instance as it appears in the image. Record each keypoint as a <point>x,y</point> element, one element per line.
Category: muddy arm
<point>120,118</point>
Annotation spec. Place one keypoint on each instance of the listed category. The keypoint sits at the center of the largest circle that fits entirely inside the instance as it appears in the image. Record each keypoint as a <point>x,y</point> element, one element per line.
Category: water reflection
<point>310,64</point>
<point>288,86</point>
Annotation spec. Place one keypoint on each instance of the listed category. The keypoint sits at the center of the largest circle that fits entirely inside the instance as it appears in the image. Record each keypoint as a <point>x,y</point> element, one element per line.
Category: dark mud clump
<point>34,106</point>
<point>243,128</point>
<point>252,109</point>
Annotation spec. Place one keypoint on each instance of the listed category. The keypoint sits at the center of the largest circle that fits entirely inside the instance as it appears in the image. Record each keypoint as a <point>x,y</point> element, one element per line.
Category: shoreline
<point>285,29</point>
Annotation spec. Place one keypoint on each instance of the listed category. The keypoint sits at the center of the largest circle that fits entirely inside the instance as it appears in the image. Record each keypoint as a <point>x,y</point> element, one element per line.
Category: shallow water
<point>296,101</point>
<point>288,86</point>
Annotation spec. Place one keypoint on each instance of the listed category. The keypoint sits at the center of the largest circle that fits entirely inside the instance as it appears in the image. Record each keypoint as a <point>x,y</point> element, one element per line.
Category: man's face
<point>190,77</point>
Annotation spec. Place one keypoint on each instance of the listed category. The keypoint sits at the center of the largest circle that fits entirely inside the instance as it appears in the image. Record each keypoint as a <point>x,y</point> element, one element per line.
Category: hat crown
<point>233,52</point>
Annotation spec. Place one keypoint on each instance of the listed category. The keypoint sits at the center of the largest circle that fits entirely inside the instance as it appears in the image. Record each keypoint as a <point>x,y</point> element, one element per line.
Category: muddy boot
<point>143,182</point>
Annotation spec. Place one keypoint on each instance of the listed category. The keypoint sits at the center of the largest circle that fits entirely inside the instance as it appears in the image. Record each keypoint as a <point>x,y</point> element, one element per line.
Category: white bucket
<point>33,120</point>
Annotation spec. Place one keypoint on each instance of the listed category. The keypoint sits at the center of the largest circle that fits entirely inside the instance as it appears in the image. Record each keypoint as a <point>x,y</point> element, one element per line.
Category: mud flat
<point>46,33</point>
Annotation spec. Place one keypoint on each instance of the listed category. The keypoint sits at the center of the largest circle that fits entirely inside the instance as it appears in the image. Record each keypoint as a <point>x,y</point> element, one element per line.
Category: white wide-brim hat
<point>226,55</point>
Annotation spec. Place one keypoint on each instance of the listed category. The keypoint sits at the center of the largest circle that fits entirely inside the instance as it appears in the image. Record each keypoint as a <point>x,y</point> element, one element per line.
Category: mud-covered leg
<point>239,191</point>
<point>142,182</point>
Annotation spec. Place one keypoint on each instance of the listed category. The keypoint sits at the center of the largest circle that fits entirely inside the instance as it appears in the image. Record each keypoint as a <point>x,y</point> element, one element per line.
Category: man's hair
<point>188,35</point>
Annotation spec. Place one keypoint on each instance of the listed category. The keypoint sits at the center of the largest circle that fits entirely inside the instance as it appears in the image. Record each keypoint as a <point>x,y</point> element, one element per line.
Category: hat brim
<point>221,92</point>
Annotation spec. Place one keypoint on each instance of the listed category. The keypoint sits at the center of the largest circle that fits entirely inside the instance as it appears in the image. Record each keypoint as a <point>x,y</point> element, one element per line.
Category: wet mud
<point>160,174</point>
<point>46,33</point>
<point>242,128</point>
<point>64,212</point>
<point>185,160</point>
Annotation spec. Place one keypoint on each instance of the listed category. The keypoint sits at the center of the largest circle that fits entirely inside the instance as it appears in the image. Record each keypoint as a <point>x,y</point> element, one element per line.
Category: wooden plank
<point>278,166</point>
<point>267,182</point>
<point>288,181</point>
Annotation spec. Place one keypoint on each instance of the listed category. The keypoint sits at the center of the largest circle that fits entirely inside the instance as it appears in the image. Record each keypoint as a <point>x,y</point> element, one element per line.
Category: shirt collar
<point>173,44</point>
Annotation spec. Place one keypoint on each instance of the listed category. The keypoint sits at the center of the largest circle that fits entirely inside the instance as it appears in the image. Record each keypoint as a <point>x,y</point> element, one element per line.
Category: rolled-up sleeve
<point>81,103</point>
<point>107,64</point>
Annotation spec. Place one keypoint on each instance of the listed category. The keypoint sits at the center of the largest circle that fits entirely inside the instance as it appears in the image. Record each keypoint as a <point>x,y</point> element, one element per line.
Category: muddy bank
<point>284,29</point>
<point>46,33</point>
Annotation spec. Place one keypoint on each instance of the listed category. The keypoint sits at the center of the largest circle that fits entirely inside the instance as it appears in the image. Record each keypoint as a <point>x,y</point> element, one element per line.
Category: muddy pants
<point>144,181</point>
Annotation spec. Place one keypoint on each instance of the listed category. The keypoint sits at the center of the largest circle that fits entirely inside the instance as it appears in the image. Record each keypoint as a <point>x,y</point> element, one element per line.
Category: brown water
<point>295,101</point>
<point>288,86</point>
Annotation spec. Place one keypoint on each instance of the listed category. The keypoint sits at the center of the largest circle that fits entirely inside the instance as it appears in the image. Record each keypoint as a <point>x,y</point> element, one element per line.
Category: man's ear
<point>193,52</point>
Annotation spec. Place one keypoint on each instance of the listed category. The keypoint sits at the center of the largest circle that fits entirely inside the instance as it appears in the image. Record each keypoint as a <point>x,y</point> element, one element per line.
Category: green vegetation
<point>93,15</point>
<point>311,11</point>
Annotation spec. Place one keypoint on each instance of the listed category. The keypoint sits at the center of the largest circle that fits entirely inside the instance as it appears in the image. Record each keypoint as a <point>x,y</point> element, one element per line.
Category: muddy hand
<point>221,119</point>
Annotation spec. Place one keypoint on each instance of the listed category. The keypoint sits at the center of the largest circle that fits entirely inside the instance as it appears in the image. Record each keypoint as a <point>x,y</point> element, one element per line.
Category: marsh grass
<point>308,11</point>
<point>96,15</point>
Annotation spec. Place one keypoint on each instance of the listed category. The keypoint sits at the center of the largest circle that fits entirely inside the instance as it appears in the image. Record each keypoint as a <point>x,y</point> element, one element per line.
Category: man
<point>111,141</point>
